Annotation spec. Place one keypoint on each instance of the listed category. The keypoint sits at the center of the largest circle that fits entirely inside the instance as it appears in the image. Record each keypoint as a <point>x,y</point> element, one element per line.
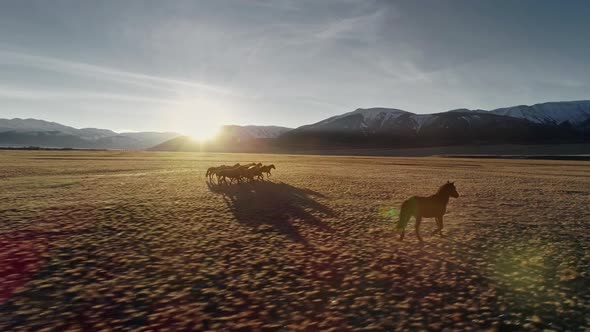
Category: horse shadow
<point>276,204</point>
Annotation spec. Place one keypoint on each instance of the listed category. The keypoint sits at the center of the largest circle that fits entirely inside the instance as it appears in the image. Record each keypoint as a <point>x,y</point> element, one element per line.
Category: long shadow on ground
<point>276,204</point>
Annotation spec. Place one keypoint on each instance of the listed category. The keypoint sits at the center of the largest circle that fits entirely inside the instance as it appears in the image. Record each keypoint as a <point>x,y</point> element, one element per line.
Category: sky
<point>191,66</point>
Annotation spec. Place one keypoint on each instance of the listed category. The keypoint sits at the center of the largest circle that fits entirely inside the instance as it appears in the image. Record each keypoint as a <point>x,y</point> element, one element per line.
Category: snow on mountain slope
<point>389,120</point>
<point>366,120</point>
<point>421,119</point>
<point>375,119</point>
<point>575,112</point>
<point>383,121</point>
<point>378,115</point>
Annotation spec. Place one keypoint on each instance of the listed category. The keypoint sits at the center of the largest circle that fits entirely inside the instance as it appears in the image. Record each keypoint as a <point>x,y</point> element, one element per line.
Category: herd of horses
<point>433,206</point>
<point>239,173</point>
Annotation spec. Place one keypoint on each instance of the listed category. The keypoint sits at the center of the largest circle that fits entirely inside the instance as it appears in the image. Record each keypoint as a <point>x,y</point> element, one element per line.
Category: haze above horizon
<point>189,66</point>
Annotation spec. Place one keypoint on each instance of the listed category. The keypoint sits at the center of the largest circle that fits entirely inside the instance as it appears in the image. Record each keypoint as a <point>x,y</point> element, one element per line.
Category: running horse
<point>434,206</point>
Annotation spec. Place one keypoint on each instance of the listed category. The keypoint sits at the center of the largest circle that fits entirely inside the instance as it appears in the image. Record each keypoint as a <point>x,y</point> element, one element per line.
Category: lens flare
<point>387,213</point>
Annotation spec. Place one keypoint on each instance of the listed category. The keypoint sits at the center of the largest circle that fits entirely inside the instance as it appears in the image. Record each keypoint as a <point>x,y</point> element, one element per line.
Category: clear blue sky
<point>191,65</point>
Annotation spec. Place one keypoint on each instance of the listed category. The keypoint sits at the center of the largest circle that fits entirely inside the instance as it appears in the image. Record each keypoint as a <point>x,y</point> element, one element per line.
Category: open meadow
<point>142,241</point>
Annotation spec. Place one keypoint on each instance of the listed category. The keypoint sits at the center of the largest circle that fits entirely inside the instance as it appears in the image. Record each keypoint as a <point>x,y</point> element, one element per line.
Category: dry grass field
<point>140,241</point>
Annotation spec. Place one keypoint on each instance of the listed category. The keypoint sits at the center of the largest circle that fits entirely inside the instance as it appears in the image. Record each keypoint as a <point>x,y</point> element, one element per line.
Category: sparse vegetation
<point>139,240</point>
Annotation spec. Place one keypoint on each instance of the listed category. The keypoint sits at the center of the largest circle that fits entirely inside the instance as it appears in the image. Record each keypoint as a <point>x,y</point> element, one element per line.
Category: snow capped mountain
<point>376,116</point>
<point>370,121</point>
<point>574,112</point>
<point>373,121</point>
<point>387,121</point>
<point>387,126</point>
<point>365,120</point>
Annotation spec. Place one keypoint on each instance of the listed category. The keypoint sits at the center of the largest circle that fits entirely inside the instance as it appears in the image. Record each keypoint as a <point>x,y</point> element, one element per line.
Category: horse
<point>266,169</point>
<point>233,173</point>
<point>211,171</point>
<point>434,206</point>
<point>251,172</point>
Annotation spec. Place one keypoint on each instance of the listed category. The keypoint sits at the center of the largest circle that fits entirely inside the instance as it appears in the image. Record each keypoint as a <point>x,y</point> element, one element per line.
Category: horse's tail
<point>406,212</point>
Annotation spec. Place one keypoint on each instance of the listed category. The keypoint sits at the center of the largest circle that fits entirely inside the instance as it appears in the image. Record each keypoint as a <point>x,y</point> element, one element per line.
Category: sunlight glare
<point>204,134</point>
<point>201,119</point>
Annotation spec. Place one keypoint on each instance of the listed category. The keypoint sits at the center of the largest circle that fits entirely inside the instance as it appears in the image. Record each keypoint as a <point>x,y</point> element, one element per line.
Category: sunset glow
<point>204,133</point>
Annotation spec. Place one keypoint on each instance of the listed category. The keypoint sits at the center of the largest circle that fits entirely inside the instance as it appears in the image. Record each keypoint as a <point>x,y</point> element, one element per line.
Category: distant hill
<point>230,138</point>
<point>553,113</point>
<point>242,133</point>
<point>32,132</point>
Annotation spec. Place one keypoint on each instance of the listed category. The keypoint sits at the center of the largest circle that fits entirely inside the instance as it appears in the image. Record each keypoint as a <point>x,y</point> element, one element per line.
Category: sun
<point>204,134</point>
<point>200,119</point>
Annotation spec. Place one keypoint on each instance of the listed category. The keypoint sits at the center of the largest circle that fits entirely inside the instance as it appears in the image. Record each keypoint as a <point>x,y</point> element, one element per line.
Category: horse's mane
<point>443,187</point>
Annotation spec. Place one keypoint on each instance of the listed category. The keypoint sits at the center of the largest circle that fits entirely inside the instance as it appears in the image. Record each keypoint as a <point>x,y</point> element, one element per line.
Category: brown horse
<point>267,168</point>
<point>232,173</point>
<point>251,172</point>
<point>434,206</point>
<point>212,171</point>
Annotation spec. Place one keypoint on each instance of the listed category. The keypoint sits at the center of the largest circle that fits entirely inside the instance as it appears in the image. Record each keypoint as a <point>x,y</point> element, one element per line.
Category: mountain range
<point>32,132</point>
<point>363,127</point>
<point>388,127</point>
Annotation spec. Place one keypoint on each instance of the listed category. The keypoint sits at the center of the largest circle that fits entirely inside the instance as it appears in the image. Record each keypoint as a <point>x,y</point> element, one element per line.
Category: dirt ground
<point>141,241</point>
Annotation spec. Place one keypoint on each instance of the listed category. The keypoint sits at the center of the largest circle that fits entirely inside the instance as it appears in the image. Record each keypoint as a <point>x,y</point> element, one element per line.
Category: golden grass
<point>92,240</point>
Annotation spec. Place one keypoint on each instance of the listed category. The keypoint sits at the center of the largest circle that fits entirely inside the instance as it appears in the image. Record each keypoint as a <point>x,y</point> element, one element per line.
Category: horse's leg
<point>438,226</point>
<point>418,221</point>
